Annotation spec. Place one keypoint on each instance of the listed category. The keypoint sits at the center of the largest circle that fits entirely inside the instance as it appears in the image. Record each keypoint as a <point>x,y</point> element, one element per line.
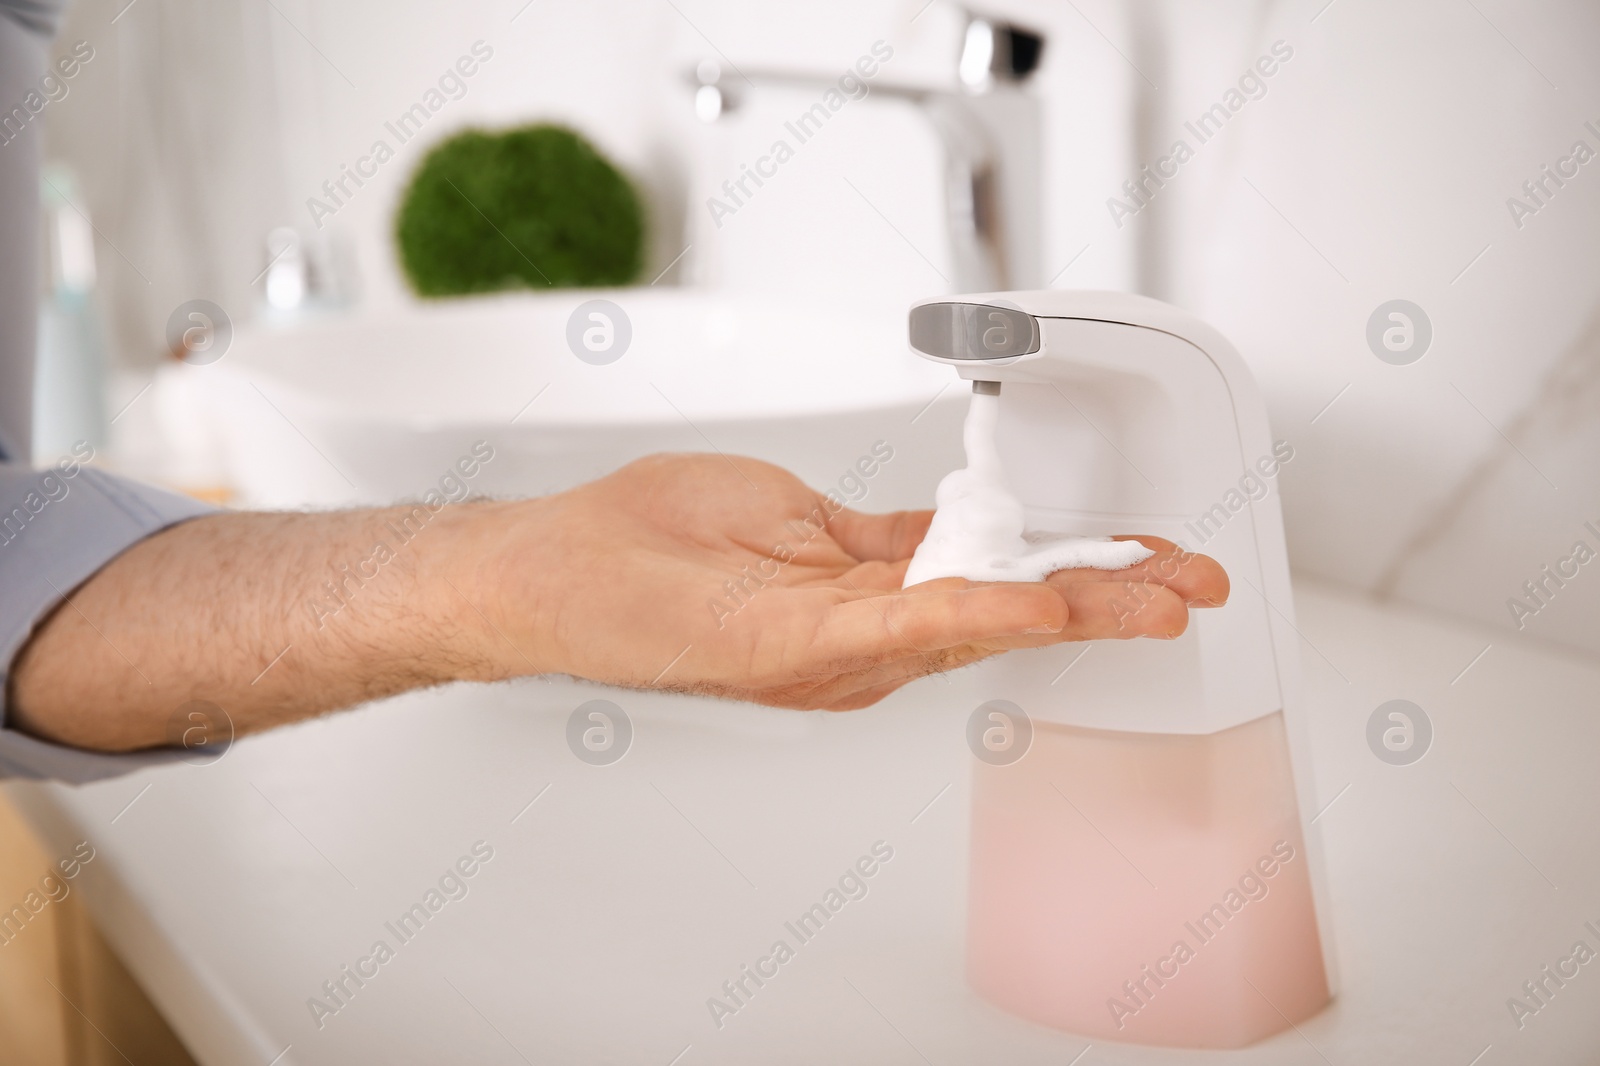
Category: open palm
<point>730,577</point>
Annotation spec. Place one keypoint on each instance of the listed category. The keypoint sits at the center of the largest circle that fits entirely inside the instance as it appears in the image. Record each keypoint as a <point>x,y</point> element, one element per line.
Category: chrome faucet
<point>989,131</point>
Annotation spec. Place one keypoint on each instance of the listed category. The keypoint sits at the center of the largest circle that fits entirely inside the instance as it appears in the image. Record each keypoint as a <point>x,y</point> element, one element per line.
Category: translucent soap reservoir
<point>1144,887</point>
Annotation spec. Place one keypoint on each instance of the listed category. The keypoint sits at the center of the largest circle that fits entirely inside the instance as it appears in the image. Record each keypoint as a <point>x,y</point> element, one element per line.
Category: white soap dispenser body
<point>1146,871</point>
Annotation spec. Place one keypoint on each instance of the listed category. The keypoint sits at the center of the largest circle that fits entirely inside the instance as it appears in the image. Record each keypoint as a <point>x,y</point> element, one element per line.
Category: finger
<point>1121,610</point>
<point>1197,579</point>
<point>832,697</point>
<point>888,676</point>
<point>882,537</point>
<point>852,691</point>
<point>855,701</point>
<point>940,584</point>
<point>861,632</point>
<point>891,577</point>
<point>1154,543</point>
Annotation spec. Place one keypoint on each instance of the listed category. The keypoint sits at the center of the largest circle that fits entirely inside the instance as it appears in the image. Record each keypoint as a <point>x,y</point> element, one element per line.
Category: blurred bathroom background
<point>1375,163</point>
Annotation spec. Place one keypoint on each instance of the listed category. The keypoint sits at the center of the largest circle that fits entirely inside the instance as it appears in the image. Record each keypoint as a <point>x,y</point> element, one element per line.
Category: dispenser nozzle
<point>986,388</point>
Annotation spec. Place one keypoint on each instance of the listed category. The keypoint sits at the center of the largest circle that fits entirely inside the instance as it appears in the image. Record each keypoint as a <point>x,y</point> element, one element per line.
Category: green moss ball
<point>535,207</point>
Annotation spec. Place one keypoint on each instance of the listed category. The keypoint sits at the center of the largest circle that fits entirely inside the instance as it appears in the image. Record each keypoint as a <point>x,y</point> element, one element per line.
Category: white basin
<point>373,408</point>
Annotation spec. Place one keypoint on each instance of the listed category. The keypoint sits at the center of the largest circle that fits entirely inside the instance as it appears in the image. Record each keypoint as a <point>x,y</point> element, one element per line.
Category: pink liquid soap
<point>1146,888</point>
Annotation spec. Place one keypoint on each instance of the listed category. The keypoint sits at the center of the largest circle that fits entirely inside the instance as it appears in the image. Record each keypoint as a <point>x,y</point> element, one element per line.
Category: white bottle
<point>69,383</point>
<point>1142,865</point>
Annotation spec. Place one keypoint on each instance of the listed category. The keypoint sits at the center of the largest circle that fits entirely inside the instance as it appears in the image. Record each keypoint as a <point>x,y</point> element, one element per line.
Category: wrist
<point>484,589</point>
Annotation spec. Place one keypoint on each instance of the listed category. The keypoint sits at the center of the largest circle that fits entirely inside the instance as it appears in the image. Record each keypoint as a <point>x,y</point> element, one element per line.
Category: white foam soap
<point>978,530</point>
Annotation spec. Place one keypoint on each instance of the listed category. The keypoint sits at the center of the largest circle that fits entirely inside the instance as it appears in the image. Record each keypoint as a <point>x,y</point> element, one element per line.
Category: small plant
<point>535,207</point>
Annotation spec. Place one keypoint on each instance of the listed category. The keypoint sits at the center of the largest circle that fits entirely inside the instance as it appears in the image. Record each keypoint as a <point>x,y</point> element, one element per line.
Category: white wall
<point>1384,153</point>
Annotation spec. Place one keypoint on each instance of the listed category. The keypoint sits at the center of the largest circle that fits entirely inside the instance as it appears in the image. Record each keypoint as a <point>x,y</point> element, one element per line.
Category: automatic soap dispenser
<point>1146,871</point>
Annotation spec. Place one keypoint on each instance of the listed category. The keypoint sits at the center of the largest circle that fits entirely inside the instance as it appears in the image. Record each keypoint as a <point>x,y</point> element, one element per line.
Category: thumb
<point>879,537</point>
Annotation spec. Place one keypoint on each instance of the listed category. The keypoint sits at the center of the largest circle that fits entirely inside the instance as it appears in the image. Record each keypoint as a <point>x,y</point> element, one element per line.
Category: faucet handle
<point>997,51</point>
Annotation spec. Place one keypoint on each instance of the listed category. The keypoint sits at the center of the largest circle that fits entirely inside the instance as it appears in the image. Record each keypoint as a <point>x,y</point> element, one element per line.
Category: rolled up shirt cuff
<point>58,527</point>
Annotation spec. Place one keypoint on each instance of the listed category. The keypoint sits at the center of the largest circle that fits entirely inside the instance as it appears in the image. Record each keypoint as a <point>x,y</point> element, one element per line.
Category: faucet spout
<point>988,131</point>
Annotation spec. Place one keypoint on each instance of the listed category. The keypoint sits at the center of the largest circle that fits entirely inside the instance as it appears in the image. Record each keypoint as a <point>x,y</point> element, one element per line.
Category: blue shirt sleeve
<point>58,526</point>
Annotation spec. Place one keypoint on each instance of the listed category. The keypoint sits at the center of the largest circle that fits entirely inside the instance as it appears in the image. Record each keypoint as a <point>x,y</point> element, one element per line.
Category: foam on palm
<point>979,530</point>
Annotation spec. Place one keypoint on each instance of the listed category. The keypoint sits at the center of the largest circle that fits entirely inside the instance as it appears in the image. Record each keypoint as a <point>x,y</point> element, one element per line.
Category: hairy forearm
<point>695,573</point>
<point>272,617</point>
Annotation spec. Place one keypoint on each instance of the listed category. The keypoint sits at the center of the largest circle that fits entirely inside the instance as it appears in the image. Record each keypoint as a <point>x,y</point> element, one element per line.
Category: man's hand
<point>730,577</point>
<point>688,572</point>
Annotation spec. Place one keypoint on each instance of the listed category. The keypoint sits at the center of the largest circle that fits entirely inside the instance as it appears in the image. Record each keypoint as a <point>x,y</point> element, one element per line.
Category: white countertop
<point>624,897</point>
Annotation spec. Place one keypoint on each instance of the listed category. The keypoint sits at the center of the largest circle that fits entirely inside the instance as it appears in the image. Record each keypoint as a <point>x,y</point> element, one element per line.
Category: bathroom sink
<point>374,407</point>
